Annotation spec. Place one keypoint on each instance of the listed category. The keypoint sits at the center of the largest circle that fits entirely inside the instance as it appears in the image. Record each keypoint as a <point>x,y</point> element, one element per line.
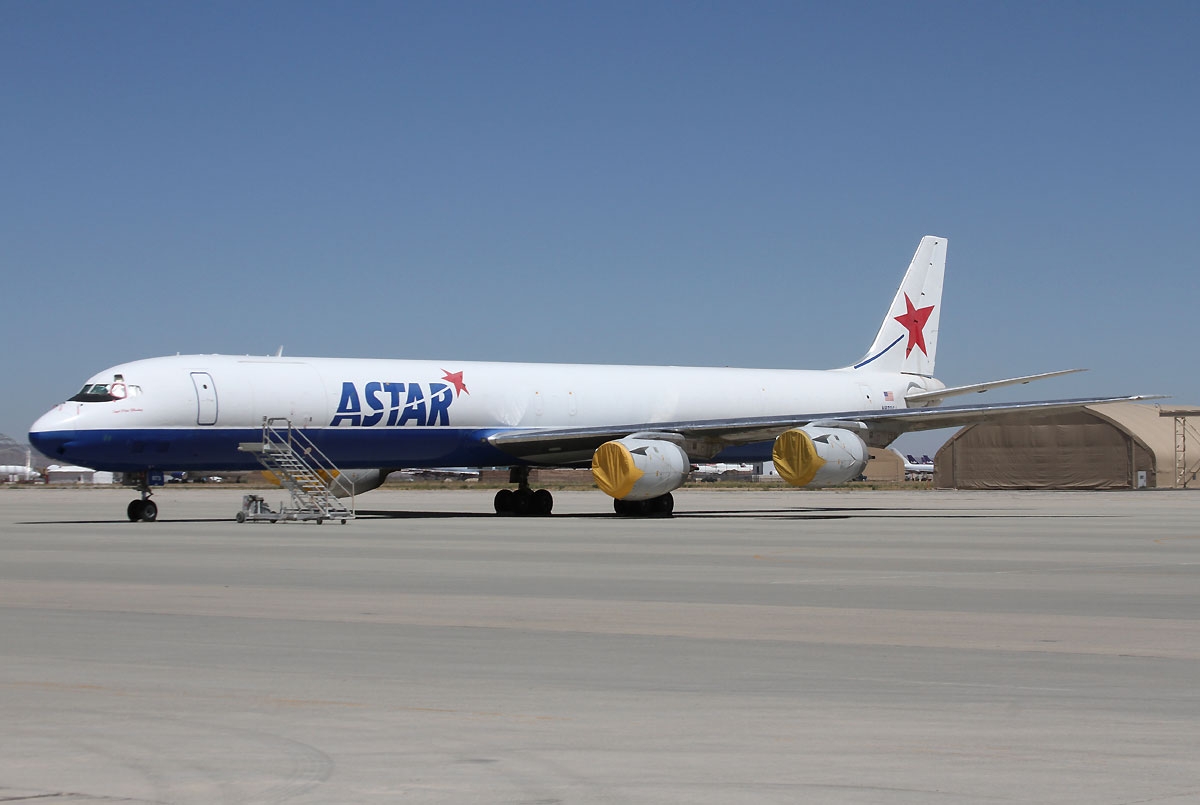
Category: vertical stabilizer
<point>907,339</point>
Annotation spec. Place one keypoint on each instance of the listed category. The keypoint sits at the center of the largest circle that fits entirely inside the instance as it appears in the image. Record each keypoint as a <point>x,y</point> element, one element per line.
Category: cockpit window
<point>106,392</point>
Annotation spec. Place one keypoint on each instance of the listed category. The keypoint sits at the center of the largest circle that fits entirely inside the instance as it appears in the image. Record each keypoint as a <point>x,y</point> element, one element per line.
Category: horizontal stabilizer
<point>979,388</point>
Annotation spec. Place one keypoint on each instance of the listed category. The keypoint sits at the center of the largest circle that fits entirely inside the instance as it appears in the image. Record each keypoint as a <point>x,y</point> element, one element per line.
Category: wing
<point>707,437</point>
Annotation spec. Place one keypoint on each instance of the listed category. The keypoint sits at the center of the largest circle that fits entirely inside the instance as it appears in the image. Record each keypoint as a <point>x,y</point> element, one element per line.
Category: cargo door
<point>206,398</point>
<point>293,391</point>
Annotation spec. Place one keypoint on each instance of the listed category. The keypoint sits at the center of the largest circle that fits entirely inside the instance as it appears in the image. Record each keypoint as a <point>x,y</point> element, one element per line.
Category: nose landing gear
<point>143,509</point>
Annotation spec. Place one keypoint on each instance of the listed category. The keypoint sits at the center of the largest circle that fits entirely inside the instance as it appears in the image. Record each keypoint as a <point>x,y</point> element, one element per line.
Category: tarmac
<point>758,647</point>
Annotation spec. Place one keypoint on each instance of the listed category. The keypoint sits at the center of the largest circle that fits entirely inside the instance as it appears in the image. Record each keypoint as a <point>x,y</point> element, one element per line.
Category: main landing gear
<point>523,501</point>
<point>143,509</point>
<point>661,506</point>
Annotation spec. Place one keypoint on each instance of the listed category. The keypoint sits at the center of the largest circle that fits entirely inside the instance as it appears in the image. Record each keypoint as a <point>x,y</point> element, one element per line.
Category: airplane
<point>714,472</point>
<point>915,466</point>
<point>639,427</point>
<point>13,473</point>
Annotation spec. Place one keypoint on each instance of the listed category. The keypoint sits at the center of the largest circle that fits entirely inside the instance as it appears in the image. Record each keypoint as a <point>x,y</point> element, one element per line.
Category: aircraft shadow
<point>445,515</point>
<point>436,515</point>
<point>818,513</point>
<point>126,521</point>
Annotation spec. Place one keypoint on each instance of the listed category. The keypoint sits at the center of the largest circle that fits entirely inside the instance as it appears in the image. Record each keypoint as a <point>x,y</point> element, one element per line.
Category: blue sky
<point>688,183</point>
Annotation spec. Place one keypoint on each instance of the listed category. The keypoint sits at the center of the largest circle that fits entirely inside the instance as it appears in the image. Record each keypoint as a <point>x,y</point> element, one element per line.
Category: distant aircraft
<point>442,473</point>
<point>640,427</point>
<point>20,472</point>
<point>17,472</point>
<point>713,472</point>
<point>915,466</point>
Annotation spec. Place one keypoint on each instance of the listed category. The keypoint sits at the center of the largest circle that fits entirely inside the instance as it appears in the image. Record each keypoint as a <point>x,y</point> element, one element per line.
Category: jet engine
<point>357,481</point>
<point>817,456</point>
<point>636,468</point>
<point>345,482</point>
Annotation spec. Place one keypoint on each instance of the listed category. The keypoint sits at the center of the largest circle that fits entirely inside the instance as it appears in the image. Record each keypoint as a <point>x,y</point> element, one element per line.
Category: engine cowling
<point>815,456</point>
<point>639,469</point>
<point>356,481</point>
<point>345,482</point>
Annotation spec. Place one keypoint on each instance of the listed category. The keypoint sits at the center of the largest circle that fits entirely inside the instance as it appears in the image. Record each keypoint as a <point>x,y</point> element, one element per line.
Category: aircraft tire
<point>543,502</point>
<point>504,501</point>
<point>522,502</point>
<point>149,511</point>
<point>661,506</point>
<point>241,517</point>
<point>134,510</point>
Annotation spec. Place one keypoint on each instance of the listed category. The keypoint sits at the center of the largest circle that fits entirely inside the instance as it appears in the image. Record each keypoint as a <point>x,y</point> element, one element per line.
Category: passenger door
<point>206,398</point>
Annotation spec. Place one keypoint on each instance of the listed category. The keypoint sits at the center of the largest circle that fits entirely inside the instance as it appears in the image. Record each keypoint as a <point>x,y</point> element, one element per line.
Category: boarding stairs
<point>303,470</point>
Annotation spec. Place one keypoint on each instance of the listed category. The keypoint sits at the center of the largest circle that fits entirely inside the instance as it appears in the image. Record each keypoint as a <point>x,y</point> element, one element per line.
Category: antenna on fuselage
<point>279,352</point>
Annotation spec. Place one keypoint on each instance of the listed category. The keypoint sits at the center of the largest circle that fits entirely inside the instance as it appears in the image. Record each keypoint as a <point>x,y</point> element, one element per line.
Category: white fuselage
<point>190,412</point>
<point>17,472</point>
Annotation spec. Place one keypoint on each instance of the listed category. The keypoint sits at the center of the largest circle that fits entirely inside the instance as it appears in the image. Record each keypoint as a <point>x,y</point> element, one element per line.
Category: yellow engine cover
<point>637,468</point>
<point>796,458</point>
<point>614,469</point>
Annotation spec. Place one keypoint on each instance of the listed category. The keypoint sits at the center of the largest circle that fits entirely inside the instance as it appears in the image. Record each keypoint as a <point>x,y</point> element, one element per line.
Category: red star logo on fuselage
<point>914,320</point>
<point>456,378</point>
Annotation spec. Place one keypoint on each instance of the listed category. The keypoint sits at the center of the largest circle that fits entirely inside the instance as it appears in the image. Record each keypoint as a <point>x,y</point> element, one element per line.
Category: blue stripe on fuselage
<point>348,448</point>
<point>744,453</point>
<point>216,448</point>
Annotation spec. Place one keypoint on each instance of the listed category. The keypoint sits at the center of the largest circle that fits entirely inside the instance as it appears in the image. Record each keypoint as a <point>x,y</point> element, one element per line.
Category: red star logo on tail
<point>914,320</point>
<point>455,378</point>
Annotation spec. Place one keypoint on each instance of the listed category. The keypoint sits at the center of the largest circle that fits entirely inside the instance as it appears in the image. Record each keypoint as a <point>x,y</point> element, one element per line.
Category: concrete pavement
<point>775,646</point>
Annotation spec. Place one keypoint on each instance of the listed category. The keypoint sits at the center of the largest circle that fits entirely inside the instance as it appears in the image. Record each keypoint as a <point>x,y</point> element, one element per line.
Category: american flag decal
<point>889,397</point>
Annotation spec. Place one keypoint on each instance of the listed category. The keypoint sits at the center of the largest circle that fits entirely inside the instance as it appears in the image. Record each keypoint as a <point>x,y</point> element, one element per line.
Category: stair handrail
<point>322,462</point>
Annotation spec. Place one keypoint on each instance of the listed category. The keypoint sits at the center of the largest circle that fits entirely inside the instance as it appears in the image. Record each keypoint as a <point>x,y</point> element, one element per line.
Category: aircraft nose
<point>50,434</point>
<point>50,444</point>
